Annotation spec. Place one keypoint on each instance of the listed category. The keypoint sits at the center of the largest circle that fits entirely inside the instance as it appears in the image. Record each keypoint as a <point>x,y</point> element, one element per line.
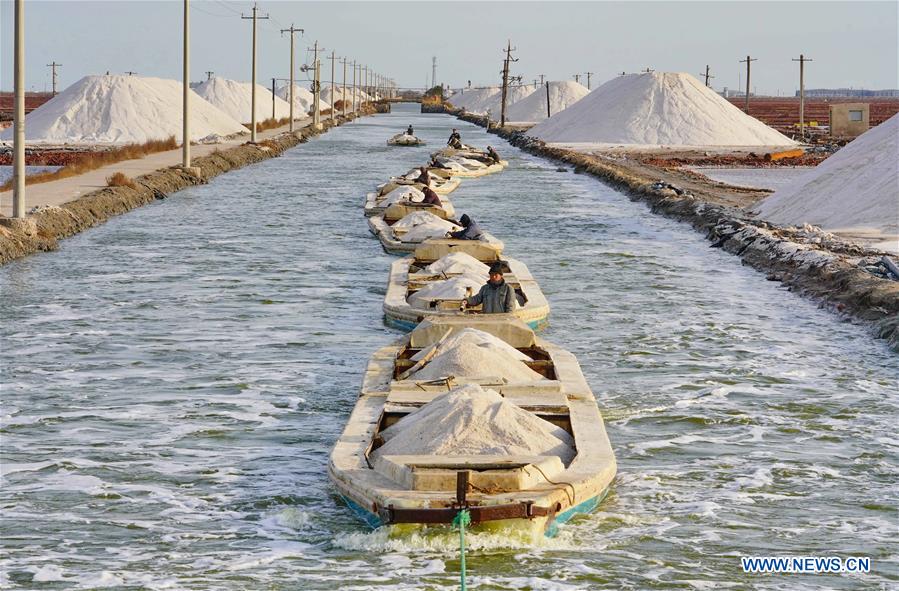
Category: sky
<point>852,44</point>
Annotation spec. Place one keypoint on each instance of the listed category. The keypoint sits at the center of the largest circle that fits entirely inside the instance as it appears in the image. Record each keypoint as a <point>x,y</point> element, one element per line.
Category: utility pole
<point>509,58</point>
<point>273,97</point>
<point>707,76</point>
<point>316,87</point>
<point>54,65</point>
<point>541,79</point>
<point>748,61</point>
<point>548,113</point>
<point>18,183</point>
<point>291,30</point>
<point>589,75</point>
<point>333,58</point>
<point>577,78</point>
<point>802,59</point>
<point>254,18</point>
<point>343,93</point>
<point>209,74</point>
<point>354,87</point>
<point>185,117</point>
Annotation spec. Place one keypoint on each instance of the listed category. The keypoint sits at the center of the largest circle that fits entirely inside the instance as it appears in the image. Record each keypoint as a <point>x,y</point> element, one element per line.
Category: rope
<point>461,520</point>
<point>571,497</point>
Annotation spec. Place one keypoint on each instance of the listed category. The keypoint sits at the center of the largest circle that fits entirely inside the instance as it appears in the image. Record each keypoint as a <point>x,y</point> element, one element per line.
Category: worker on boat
<point>431,197</point>
<point>470,229</point>
<point>423,177</point>
<point>409,130</point>
<point>496,296</point>
<point>493,155</point>
<point>435,164</point>
<point>455,140</point>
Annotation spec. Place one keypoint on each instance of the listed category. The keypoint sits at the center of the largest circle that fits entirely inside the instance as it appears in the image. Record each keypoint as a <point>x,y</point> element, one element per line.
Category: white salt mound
<point>471,100</point>
<point>532,108</point>
<point>415,219</point>
<point>855,189</point>
<point>472,337</point>
<point>458,263</point>
<point>454,288</point>
<point>465,360</point>
<point>302,100</point>
<point>122,110</point>
<point>403,193</point>
<point>514,94</point>
<point>235,99</point>
<point>425,225</point>
<point>473,421</point>
<point>657,109</point>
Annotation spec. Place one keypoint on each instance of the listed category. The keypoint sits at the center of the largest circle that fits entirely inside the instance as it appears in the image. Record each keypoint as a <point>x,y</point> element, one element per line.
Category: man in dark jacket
<point>496,296</point>
<point>431,198</point>
<point>455,140</point>
<point>493,154</point>
<point>470,229</point>
<point>410,131</point>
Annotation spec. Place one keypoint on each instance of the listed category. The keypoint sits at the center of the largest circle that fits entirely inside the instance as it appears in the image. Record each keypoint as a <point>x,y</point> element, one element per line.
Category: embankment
<point>44,228</point>
<point>814,264</point>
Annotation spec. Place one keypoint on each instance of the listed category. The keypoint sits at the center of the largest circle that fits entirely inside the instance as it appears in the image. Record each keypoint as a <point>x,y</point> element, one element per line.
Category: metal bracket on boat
<point>479,514</point>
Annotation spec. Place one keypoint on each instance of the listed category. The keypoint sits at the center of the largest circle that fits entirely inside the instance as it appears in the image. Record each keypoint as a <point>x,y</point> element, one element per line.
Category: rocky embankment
<point>813,263</point>
<point>44,227</point>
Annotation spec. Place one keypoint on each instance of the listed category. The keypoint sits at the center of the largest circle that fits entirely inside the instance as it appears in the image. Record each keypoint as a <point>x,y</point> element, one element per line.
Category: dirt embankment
<point>812,263</point>
<point>42,230</point>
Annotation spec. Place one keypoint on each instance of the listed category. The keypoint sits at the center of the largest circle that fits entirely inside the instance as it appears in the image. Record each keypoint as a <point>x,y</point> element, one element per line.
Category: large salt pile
<point>472,337</point>
<point>235,98</point>
<point>656,109</point>
<point>338,95</point>
<point>532,108</point>
<point>454,288</point>
<point>473,421</point>
<point>856,190</point>
<point>464,358</point>
<point>302,100</point>
<point>122,110</point>
<point>458,263</point>
<point>494,104</point>
<point>473,100</point>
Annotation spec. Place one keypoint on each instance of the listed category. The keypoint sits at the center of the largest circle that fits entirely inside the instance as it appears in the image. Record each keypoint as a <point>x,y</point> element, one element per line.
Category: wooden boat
<point>408,275</point>
<point>463,167</point>
<point>377,201</point>
<point>392,239</point>
<point>404,139</point>
<point>517,495</point>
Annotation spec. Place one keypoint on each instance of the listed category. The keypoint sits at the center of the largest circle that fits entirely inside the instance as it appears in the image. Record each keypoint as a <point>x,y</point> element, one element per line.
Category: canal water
<point>174,380</point>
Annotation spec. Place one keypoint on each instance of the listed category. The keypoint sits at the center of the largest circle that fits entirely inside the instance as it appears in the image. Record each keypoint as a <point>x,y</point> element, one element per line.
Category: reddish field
<point>783,112</point>
<point>33,100</point>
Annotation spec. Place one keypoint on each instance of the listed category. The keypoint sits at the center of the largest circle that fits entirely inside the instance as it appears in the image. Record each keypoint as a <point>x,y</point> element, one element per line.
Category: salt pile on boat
<point>421,225</point>
<point>532,108</point>
<point>855,189</point>
<point>655,109</point>
<point>454,288</point>
<point>122,110</point>
<point>472,337</point>
<point>473,421</point>
<point>302,100</point>
<point>458,263</point>
<point>485,359</point>
<point>235,99</point>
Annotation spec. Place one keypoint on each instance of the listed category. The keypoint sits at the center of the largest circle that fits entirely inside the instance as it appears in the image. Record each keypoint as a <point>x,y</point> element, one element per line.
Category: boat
<point>446,281</point>
<point>408,233</point>
<point>394,191</point>
<point>404,139</point>
<point>521,495</point>
<point>464,167</point>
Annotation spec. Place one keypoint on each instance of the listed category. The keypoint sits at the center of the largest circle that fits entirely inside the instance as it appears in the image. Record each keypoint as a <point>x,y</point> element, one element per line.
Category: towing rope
<point>462,520</point>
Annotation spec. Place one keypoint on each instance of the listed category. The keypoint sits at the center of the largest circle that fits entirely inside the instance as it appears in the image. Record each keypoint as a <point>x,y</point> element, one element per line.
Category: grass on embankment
<point>93,160</point>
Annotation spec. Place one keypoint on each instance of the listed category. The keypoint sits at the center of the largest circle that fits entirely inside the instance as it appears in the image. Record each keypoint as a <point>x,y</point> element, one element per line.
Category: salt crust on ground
<point>456,263</point>
<point>472,337</point>
<point>658,109</point>
<point>473,421</point>
<point>235,99</point>
<point>532,108</point>
<point>120,110</point>
<point>302,100</point>
<point>454,288</point>
<point>486,359</point>
<point>856,188</point>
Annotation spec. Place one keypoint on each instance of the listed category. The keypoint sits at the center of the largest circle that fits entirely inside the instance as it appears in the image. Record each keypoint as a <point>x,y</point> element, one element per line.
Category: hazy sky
<point>851,43</point>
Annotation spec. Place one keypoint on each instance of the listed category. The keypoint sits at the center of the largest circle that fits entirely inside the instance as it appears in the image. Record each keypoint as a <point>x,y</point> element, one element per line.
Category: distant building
<point>850,93</point>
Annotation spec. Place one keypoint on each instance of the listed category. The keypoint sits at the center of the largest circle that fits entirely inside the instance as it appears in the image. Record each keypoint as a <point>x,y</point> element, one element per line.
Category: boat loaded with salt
<point>409,232</point>
<point>474,413</point>
<point>405,139</point>
<point>467,162</point>
<point>406,188</point>
<point>420,286</point>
